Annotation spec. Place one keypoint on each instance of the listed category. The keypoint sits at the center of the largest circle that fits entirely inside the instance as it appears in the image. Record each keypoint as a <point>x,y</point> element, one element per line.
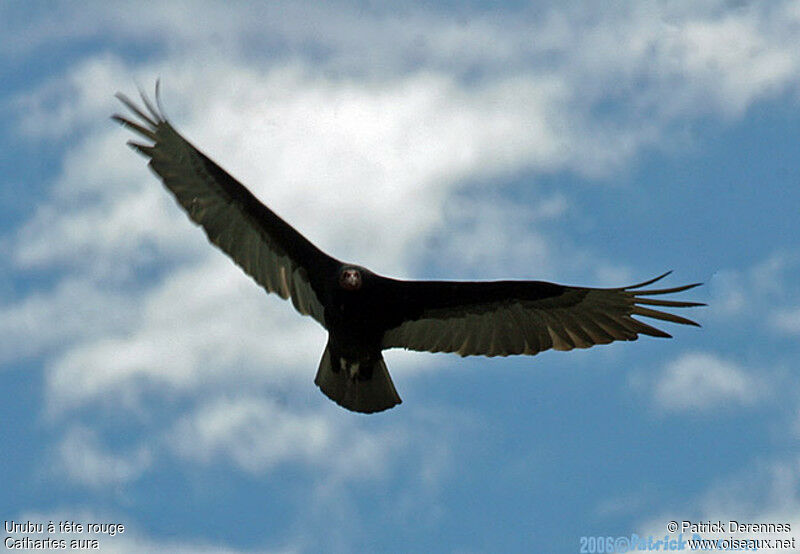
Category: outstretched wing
<point>501,318</point>
<point>266,247</point>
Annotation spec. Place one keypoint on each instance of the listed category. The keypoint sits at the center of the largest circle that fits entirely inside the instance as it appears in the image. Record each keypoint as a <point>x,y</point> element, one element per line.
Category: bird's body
<point>366,313</point>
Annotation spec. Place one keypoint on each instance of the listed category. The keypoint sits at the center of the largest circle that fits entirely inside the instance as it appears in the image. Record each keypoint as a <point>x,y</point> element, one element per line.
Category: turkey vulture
<point>366,313</point>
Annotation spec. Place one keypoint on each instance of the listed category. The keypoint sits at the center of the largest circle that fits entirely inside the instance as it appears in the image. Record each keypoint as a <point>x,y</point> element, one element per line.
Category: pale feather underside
<point>209,204</point>
<point>578,318</point>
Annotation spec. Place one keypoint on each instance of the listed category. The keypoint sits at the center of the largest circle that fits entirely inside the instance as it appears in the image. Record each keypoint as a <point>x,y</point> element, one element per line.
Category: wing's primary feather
<point>267,248</point>
<point>500,318</point>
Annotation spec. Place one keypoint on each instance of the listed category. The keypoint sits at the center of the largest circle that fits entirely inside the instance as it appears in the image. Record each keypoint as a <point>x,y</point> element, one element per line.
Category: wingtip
<point>159,105</point>
<point>143,149</point>
<point>128,103</point>
<point>119,118</point>
<point>660,335</point>
<point>648,282</point>
<point>149,105</point>
<point>651,331</point>
<point>670,290</point>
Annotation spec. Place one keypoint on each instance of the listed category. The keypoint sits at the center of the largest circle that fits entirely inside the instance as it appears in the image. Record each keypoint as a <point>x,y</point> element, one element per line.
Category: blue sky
<point>148,382</point>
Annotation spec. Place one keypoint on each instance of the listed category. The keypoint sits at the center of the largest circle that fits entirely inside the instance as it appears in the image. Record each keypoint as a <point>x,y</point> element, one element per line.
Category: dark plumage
<point>366,313</point>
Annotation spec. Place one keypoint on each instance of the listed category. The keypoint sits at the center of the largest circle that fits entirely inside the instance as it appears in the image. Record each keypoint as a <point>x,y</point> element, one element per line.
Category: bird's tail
<point>366,395</point>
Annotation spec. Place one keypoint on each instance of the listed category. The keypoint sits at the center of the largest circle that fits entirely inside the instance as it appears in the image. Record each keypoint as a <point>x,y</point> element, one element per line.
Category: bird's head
<point>351,277</point>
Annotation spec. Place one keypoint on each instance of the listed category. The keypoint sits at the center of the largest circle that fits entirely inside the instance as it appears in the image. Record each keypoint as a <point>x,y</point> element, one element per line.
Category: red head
<point>350,278</point>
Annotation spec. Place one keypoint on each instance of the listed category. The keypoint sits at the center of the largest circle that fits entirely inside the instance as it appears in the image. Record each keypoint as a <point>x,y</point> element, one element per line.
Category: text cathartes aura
<point>366,313</point>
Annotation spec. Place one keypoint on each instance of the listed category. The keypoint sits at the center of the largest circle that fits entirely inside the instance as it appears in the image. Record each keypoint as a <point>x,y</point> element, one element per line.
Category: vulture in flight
<point>366,313</point>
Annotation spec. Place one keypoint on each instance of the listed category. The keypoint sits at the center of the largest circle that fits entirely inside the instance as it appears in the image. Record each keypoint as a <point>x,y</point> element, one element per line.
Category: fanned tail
<point>373,394</point>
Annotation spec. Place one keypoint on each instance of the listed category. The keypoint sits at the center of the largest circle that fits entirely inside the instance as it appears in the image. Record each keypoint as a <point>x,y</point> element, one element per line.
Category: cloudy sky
<point>147,381</point>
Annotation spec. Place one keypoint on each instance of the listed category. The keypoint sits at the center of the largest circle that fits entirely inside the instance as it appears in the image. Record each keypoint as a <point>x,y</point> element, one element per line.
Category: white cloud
<point>253,432</point>
<point>48,321</point>
<point>398,146</point>
<point>687,58</point>
<point>701,381</point>
<point>689,55</point>
<point>729,294</point>
<point>203,326</point>
<point>401,142</point>
<point>47,115</point>
<point>753,292</point>
<point>490,237</point>
<point>256,434</point>
<point>83,460</point>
